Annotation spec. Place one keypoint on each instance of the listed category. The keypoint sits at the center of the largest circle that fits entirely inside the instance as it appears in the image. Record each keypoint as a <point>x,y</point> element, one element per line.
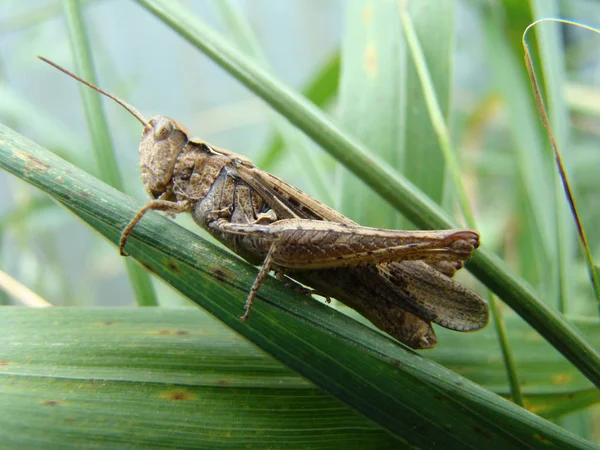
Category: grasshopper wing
<point>436,297</point>
<point>423,289</point>
<point>287,201</point>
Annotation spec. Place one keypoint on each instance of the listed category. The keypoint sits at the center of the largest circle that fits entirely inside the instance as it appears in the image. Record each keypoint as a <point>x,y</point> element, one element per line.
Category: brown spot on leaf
<point>166,332</point>
<point>178,395</point>
<point>171,265</point>
<point>51,403</point>
<point>561,379</point>
<point>219,274</point>
<point>35,163</point>
<point>4,362</point>
<point>108,323</point>
<point>541,438</point>
<point>222,274</point>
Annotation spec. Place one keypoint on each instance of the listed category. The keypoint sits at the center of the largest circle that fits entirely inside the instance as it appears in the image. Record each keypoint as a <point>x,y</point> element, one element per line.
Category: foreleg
<point>157,205</point>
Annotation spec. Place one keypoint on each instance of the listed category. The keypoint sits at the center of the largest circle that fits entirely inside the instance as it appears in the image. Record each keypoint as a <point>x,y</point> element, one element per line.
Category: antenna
<point>134,112</point>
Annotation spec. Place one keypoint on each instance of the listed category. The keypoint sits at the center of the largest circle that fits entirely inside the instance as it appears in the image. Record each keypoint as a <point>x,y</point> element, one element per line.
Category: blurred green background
<point>506,163</point>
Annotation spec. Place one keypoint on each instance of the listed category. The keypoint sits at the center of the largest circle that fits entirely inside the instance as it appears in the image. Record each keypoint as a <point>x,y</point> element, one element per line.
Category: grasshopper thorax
<point>163,140</point>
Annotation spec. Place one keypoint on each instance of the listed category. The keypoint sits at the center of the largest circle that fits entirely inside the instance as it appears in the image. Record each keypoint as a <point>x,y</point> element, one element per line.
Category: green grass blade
<point>158,378</point>
<point>402,194</point>
<point>92,102</point>
<point>178,376</point>
<point>436,116</point>
<point>414,399</point>
<point>543,369</point>
<point>435,28</point>
<point>507,354</point>
<point>322,87</point>
<point>373,54</point>
<point>563,186</point>
<point>556,406</point>
<point>553,66</point>
<point>531,159</point>
<point>105,155</point>
<point>372,101</point>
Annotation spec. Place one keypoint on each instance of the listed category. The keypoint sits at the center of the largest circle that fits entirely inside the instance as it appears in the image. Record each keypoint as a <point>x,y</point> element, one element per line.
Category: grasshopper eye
<point>163,129</point>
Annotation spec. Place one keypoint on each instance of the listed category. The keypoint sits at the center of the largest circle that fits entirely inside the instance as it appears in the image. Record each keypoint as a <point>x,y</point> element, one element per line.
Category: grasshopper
<point>399,280</point>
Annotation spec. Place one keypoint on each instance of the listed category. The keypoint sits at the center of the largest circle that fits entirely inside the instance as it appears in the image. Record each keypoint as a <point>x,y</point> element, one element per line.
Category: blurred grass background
<point>506,162</point>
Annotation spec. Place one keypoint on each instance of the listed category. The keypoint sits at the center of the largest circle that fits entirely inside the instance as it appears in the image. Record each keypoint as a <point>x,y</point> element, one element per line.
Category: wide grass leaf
<point>94,378</point>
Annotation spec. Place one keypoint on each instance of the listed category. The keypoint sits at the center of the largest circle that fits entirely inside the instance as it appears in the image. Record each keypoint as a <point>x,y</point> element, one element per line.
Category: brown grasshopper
<point>399,280</point>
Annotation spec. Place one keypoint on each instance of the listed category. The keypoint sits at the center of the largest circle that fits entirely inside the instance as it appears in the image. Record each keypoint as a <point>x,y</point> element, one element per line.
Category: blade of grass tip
<point>449,154</point>
<point>402,194</point>
<point>248,43</point>
<point>21,293</point>
<point>141,283</point>
<point>539,101</point>
<point>550,49</point>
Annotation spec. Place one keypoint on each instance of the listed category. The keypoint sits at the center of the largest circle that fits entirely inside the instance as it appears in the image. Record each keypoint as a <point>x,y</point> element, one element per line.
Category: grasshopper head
<point>163,140</point>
